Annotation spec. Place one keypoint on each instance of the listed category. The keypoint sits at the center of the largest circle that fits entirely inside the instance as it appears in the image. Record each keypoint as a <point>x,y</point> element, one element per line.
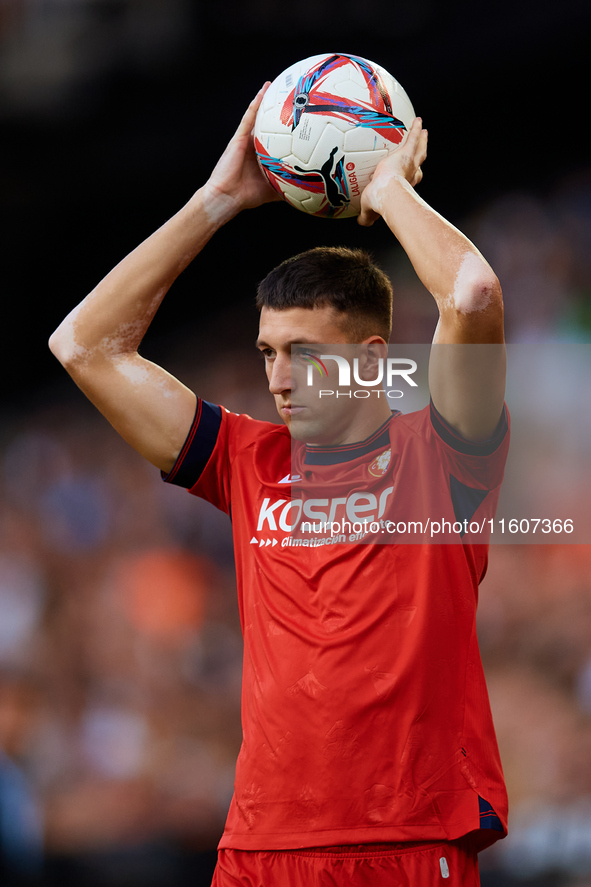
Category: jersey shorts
<point>421,864</point>
<point>365,714</point>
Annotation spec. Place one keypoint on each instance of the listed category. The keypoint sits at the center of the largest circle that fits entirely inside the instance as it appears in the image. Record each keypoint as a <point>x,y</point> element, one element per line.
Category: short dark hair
<point>344,279</point>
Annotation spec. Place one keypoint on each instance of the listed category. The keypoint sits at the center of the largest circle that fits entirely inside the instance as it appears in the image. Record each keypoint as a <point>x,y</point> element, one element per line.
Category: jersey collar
<point>334,455</point>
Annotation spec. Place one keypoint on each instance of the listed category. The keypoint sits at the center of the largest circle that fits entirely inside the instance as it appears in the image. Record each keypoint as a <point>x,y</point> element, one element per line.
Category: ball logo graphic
<point>323,118</point>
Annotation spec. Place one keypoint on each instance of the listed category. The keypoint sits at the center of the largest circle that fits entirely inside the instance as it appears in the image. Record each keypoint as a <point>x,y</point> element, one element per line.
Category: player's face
<point>287,339</point>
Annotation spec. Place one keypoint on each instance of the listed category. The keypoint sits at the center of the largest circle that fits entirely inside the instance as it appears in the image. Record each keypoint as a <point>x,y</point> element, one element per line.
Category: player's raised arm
<point>467,385</point>
<point>97,342</point>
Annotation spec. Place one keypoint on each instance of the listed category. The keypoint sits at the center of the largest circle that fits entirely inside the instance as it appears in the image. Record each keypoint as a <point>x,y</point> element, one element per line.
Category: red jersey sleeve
<point>474,469</point>
<point>479,464</point>
<point>204,464</point>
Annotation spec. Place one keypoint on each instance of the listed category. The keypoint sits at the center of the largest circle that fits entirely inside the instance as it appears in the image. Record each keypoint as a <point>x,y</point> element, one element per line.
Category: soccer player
<point>368,755</point>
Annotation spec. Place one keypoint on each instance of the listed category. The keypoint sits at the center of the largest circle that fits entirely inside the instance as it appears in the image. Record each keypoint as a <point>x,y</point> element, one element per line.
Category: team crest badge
<point>380,464</point>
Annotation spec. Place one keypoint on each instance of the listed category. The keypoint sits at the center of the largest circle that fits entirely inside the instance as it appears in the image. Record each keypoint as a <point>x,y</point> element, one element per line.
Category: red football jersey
<point>364,708</point>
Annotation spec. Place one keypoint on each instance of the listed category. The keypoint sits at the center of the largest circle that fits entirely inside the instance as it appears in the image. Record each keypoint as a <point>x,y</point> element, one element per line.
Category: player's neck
<point>363,422</point>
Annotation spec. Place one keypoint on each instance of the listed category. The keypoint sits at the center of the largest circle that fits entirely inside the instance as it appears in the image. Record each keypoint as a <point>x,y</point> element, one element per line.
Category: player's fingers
<point>414,134</point>
<point>411,148</point>
<point>422,147</point>
<point>246,124</point>
<point>417,141</point>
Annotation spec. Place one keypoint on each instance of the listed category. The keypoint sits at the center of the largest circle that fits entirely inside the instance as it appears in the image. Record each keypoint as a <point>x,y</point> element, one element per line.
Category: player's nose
<point>280,377</point>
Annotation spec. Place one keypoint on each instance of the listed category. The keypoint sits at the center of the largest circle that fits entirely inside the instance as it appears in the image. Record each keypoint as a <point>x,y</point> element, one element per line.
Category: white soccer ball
<point>323,127</point>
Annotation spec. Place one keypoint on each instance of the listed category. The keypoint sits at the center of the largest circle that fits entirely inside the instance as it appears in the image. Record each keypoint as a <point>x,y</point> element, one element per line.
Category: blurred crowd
<point>120,648</point>
<point>120,654</point>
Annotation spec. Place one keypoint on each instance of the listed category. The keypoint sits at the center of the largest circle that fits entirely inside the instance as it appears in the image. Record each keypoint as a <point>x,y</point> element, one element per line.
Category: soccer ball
<point>323,127</point>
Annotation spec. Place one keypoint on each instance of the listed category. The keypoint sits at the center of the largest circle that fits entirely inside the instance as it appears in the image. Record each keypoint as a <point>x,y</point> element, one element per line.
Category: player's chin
<point>310,430</point>
<point>286,419</point>
<point>298,432</point>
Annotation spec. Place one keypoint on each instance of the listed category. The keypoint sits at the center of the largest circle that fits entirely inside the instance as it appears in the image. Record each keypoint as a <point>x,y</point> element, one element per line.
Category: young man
<point>369,755</point>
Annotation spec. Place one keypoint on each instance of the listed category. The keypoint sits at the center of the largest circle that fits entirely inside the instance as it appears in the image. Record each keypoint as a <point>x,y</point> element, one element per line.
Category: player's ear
<point>376,348</point>
<point>370,353</point>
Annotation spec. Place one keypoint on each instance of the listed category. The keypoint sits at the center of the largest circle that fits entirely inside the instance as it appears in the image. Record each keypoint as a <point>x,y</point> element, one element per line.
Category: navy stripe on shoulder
<point>198,447</point>
<point>462,444</point>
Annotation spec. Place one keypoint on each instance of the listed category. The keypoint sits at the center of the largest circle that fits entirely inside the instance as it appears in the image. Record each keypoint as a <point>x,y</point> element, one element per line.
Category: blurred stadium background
<point>119,639</point>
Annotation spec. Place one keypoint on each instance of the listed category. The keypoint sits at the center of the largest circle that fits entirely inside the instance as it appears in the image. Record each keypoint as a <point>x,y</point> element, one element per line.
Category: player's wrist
<point>385,192</point>
<point>217,206</point>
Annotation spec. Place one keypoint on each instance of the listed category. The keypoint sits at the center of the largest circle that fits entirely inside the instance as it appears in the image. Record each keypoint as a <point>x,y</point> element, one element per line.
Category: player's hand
<point>237,181</point>
<point>404,162</point>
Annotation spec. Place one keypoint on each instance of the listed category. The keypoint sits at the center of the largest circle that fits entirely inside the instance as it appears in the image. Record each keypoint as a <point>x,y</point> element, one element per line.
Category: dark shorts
<point>420,864</point>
